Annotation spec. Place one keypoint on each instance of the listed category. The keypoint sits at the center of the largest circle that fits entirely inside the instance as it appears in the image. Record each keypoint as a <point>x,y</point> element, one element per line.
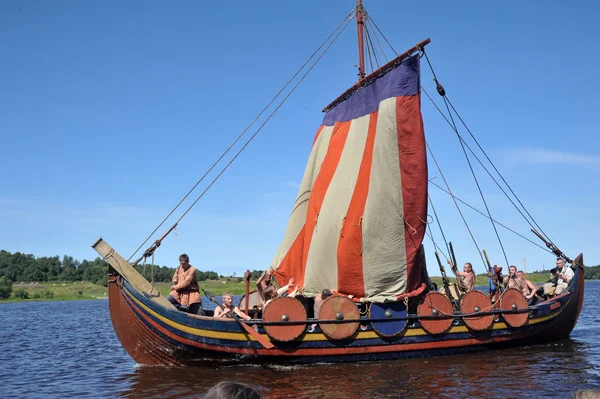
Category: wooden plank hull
<point>153,334</point>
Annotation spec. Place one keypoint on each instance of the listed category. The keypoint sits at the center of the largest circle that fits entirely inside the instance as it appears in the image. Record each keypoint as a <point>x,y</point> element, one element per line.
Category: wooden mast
<point>361,48</point>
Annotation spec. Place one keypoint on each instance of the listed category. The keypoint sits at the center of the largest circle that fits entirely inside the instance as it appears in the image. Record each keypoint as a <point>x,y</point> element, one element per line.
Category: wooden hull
<point>153,334</point>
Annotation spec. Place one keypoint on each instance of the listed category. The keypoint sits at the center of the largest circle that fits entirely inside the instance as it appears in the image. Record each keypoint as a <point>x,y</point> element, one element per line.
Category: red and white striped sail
<point>359,217</point>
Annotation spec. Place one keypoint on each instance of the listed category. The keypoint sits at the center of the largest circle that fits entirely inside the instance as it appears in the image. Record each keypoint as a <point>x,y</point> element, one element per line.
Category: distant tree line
<point>26,267</point>
<point>590,273</point>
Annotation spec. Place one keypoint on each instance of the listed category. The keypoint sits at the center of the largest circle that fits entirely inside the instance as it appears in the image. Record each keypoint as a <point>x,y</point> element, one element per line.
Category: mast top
<point>360,25</point>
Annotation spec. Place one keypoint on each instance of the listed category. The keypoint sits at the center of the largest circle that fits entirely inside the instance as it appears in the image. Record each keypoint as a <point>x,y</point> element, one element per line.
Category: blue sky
<point>111,111</point>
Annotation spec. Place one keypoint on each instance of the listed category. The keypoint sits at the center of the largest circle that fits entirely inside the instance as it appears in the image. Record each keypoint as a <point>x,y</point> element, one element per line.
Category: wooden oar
<point>262,340</point>
<point>247,276</point>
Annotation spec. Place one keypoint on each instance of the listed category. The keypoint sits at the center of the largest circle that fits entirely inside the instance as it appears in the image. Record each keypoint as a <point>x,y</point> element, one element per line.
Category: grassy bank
<point>57,291</point>
<point>69,290</point>
<point>61,291</point>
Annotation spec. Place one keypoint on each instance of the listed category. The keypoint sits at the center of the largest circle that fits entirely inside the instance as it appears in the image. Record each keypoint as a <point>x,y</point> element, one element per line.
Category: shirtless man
<point>529,288</point>
<point>229,308</point>
<point>512,280</point>
<point>468,276</point>
<point>319,299</point>
<point>271,292</point>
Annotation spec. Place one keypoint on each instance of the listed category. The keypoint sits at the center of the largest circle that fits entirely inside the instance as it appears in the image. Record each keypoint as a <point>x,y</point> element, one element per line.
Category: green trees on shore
<point>17,267</point>
<point>5,287</point>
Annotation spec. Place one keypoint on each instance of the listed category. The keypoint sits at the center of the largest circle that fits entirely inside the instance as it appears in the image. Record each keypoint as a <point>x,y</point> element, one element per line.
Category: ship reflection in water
<point>526,372</point>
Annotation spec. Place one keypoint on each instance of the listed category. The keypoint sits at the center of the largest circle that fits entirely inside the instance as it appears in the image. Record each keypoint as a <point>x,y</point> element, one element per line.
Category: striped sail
<point>358,220</point>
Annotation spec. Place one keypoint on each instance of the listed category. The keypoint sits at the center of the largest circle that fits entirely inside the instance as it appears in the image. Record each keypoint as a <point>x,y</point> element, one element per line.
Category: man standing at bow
<point>185,292</point>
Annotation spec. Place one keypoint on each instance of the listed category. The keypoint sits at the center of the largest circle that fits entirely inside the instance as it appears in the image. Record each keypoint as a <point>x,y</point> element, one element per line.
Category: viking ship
<point>357,227</point>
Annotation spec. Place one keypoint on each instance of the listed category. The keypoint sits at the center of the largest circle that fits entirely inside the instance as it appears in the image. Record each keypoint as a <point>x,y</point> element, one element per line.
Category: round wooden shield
<point>284,309</point>
<point>339,308</point>
<point>476,302</point>
<point>435,304</point>
<point>254,302</point>
<point>388,310</point>
<point>513,299</point>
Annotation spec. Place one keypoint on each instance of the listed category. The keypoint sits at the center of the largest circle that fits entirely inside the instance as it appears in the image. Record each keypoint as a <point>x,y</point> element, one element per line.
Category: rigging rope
<point>369,54</point>
<point>371,47</point>
<point>499,174</point>
<point>440,226</point>
<point>265,122</point>
<point>382,35</point>
<point>497,222</point>
<point>443,94</point>
<point>435,246</point>
<point>455,203</point>
<point>379,43</point>
<point>482,150</point>
<point>349,17</point>
<point>478,160</point>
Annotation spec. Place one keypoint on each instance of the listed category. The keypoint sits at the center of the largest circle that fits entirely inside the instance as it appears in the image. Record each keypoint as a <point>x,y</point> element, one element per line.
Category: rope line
<point>378,42</point>
<point>372,46</point>
<point>439,225</point>
<point>346,20</point>
<point>382,35</point>
<point>497,222</point>
<point>479,161</point>
<point>437,248</point>
<point>497,171</point>
<point>455,203</point>
<point>476,180</point>
<point>368,50</point>
<point>487,157</point>
<point>443,94</point>
<point>265,122</point>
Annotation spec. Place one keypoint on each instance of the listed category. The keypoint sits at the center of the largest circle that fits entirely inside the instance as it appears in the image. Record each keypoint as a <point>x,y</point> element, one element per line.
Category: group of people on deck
<point>185,291</point>
<point>561,276</point>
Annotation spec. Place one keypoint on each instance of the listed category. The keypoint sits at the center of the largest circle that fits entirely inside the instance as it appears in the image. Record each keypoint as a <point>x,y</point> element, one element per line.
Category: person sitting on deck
<point>185,292</point>
<point>264,280</point>
<point>319,299</point>
<point>271,292</point>
<point>229,308</point>
<point>529,288</point>
<point>468,276</point>
<point>512,280</point>
<point>561,276</point>
<point>494,283</point>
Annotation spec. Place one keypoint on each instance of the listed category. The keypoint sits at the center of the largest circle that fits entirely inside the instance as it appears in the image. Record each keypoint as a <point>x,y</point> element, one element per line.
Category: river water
<point>69,349</point>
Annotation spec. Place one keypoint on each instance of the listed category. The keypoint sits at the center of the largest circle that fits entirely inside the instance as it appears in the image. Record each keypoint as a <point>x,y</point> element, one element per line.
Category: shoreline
<point>95,298</point>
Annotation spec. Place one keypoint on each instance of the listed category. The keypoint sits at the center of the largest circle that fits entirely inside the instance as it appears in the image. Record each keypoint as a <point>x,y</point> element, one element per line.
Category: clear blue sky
<point>110,111</point>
